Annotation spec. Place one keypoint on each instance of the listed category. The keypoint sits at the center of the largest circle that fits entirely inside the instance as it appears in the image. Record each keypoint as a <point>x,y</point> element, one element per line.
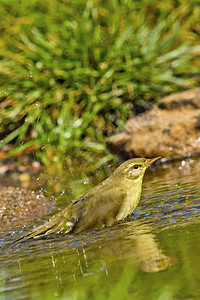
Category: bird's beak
<point>151,160</point>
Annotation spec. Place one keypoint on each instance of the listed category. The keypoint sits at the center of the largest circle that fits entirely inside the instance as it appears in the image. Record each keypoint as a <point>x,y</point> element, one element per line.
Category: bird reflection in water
<point>127,243</point>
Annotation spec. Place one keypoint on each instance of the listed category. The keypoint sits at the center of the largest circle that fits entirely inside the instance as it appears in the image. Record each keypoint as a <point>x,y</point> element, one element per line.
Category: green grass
<point>72,72</point>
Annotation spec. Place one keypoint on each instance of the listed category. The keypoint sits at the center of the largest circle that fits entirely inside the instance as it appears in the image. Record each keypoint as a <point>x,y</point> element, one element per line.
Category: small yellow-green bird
<point>104,205</point>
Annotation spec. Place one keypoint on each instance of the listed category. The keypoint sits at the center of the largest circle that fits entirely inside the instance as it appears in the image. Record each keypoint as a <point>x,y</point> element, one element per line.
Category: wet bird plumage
<point>105,204</point>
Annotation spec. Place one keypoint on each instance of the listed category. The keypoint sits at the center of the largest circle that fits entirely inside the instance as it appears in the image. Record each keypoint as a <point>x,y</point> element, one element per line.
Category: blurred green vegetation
<point>72,72</point>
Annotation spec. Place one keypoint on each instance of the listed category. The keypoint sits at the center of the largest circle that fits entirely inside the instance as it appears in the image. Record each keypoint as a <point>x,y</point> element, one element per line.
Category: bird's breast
<point>131,200</point>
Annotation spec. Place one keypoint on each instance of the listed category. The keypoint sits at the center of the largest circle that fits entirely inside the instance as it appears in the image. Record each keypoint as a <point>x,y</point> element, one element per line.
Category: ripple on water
<point>170,203</point>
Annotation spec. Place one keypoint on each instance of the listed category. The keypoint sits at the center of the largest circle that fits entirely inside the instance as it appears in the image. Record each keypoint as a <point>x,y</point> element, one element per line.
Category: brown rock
<point>171,129</point>
<point>19,206</point>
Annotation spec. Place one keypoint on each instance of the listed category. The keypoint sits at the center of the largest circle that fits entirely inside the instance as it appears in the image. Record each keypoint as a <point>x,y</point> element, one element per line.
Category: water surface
<point>155,255</point>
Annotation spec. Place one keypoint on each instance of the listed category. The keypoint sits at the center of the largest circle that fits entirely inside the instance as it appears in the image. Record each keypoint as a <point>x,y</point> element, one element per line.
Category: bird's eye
<point>135,166</point>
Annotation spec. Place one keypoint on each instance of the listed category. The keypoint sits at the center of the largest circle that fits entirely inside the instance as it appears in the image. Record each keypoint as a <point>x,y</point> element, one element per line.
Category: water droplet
<point>86,182</point>
<point>26,120</point>
<point>39,65</point>
<point>31,74</point>
<point>37,104</point>
<point>62,192</point>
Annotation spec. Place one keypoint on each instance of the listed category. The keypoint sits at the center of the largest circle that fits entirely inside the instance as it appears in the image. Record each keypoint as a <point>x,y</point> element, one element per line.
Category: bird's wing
<point>98,210</point>
<point>94,210</point>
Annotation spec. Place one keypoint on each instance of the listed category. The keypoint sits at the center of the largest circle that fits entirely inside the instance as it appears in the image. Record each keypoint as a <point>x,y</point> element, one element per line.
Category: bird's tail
<point>55,224</point>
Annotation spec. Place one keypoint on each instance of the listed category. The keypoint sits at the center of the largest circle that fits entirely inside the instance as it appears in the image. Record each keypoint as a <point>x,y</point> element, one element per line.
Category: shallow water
<point>155,255</point>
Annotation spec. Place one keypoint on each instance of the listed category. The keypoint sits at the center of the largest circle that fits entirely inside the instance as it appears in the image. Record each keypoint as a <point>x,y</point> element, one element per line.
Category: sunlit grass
<point>72,72</point>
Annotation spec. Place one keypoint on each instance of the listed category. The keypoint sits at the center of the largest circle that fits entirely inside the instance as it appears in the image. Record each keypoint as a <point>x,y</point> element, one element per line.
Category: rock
<point>19,206</point>
<point>171,129</point>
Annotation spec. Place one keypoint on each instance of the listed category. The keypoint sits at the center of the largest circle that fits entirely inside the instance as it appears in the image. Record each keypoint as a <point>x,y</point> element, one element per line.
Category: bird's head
<point>134,168</point>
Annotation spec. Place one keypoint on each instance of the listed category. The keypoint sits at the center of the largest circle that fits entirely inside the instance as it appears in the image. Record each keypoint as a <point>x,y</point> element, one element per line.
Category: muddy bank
<point>19,206</point>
